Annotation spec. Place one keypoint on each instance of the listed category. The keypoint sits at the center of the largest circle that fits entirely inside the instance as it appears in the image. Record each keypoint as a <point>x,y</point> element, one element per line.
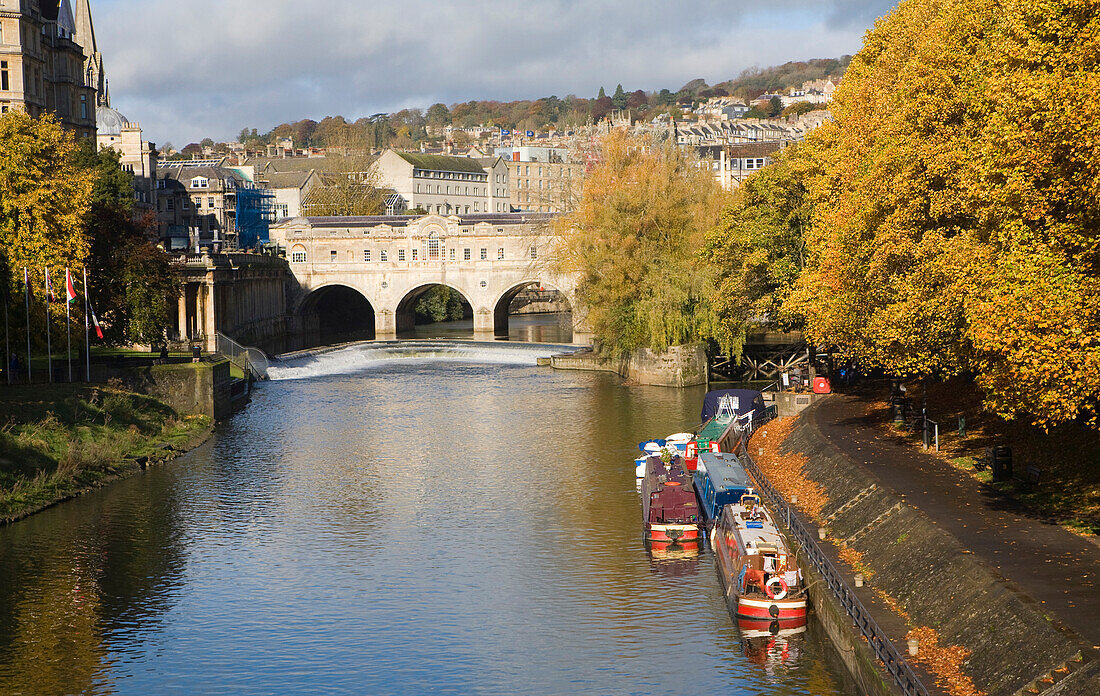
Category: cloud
<point>207,67</point>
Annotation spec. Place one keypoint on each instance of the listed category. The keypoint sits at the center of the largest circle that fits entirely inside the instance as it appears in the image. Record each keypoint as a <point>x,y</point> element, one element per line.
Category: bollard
<point>821,533</point>
<point>794,500</point>
<point>913,647</point>
<point>859,580</point>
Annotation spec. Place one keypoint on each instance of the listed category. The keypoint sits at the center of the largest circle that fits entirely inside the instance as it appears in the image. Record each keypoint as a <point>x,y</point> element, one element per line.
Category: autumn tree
<point>634,239</point>
<point>958,202</point>
<point>44,196</point>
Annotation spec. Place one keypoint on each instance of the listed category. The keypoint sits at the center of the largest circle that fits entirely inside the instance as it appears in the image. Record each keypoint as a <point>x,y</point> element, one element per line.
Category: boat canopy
<point>744,401</point>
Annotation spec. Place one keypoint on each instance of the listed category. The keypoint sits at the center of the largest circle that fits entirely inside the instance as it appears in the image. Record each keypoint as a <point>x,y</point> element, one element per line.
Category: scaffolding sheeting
<point>255,213</point>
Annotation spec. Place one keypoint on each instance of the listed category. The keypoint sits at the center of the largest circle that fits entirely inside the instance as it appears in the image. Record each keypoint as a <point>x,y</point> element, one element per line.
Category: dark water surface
<point>416,527</point>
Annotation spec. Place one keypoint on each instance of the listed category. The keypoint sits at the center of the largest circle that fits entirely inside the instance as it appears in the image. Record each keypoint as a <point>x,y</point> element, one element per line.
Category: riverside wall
<point>679,366</point>
<point>1013,646</point>
<point>204,388</point>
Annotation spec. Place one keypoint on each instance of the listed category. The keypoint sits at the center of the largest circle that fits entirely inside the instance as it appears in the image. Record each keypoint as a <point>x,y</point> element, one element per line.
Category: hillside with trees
<point>409,127</point>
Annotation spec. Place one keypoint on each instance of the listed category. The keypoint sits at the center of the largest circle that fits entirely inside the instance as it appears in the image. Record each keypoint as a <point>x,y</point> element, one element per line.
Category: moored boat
<point>720,479</point>
<point>759,573</point>
<point>670,511</point>
<point>725,414</point>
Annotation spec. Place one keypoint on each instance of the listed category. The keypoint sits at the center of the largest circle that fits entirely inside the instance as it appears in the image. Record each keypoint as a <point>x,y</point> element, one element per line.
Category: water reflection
<point>413,528</point>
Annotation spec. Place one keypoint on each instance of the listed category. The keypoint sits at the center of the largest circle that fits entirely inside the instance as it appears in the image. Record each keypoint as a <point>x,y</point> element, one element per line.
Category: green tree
<point>759,248</point>
<point>620,97</point>
<point>130,277</point>
<point>634,241</point>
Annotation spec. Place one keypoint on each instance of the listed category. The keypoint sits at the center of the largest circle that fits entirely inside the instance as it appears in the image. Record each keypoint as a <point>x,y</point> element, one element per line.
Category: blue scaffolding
<point>255,213</point>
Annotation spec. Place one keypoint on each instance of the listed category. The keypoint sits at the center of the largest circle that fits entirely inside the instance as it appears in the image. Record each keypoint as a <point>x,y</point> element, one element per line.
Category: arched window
<point>298,254</point>
<point>434,247</point>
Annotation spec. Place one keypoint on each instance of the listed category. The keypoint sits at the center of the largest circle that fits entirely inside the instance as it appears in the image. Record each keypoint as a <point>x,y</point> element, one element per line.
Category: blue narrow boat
<point>719,480</point>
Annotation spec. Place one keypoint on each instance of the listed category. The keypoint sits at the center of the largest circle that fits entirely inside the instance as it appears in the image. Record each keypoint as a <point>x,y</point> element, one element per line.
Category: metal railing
<point>896,665</point>
<point>250,360</point>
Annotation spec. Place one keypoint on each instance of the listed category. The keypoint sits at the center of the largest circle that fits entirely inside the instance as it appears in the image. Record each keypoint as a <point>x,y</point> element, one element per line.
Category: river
<point>463,523</point>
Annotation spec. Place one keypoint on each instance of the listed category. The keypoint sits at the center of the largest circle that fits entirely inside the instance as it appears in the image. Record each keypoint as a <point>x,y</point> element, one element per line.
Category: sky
<point>208,68</point>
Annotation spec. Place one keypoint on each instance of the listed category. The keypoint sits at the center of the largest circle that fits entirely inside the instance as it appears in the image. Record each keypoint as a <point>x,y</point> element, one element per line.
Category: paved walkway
<point>1054,567</point>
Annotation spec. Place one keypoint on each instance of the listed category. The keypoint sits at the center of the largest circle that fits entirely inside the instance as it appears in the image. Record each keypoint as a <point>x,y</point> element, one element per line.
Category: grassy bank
<point>1067,458</point>
<point>57,440</point>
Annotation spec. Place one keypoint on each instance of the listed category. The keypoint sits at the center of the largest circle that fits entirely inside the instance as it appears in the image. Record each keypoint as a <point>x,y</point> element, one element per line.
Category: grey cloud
<point>207,67</point>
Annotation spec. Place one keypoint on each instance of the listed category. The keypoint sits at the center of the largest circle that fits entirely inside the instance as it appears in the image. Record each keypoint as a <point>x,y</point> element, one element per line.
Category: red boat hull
<point>764,609</point>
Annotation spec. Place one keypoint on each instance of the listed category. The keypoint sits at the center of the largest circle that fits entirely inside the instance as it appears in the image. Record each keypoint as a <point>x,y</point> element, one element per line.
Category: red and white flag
<point>70,289</point>
<point>95,321</point>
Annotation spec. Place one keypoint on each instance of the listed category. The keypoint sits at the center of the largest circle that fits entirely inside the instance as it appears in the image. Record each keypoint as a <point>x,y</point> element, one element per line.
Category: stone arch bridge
<point>389,262</point>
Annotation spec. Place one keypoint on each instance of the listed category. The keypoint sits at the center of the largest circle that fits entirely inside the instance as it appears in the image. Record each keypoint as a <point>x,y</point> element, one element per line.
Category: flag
<point>95,321</point>
<point>50,297</point>
<point>27,284</point>
<point>70,289</point>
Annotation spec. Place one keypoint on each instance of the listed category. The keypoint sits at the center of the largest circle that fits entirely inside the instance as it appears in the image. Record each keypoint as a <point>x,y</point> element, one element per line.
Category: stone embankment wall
<point>679,366</point>
<point>934,579</point>
<point>203,388</point>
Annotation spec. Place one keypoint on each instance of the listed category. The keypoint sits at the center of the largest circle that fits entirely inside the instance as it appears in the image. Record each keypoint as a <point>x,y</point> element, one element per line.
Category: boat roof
<point>744,400</point>
<point>766,534</point>
<point>714,429</point>
<point>724,470</point>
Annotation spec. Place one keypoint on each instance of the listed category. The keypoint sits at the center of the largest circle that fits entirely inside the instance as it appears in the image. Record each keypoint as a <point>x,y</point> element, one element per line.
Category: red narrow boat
<point>759,573</point>
<point>669,508</point>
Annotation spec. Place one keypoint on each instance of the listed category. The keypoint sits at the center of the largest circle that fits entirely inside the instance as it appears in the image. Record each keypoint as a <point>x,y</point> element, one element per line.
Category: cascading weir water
<point>358,357</point>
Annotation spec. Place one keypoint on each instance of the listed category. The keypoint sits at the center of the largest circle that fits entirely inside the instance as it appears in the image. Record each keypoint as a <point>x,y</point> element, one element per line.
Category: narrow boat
<point>669,509</point>
<point>720,479</point>
<point>725,413</point>
<point>759,573</point>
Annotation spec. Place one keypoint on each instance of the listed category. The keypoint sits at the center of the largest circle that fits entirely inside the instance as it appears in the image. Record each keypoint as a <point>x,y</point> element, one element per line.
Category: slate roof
<point>286,180</point>
<point>441,163</point>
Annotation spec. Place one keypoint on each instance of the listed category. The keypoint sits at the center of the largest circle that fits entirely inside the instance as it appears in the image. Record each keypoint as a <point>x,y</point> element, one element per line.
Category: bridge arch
<point>336,313</point>
<point>405,312</point>
<point>502,307</point>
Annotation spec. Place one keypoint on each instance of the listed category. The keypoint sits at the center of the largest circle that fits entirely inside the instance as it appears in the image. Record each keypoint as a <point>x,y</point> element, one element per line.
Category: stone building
<point>541,179</point>
<point>137,156</point>
<point>209,206</point>
<point>45,67</point>
<point>445,185</point>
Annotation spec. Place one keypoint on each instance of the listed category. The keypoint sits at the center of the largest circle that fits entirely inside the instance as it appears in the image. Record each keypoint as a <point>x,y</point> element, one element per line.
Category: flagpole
<point>68,326</point>
<point>7,338</point>
<point>27,287</point>
<point>49,346</point>
<point>87,341</point>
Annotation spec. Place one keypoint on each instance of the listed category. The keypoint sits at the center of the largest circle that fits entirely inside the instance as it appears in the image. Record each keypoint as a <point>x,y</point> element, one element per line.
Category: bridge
<point>370,271</point>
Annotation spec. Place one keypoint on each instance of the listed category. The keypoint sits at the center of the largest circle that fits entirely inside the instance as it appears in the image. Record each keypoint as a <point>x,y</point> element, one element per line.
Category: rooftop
<point>441,163</point>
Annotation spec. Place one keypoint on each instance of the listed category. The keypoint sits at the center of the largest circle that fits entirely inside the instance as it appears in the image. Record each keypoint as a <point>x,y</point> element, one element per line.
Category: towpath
<point>1056,568</point>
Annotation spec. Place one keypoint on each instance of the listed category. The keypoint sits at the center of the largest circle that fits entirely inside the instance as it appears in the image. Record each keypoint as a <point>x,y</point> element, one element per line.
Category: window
<point>534,252</point>
<point>187,203</point>
<point>451,254</point>
<point>400,254</point>
<point>484,253</point>
<point>383,255</point>
<point>414,254</point>
<point>297,257</point>
<point>418,188</point>
<point>433,247</point>
<point>500,253</point>
<point>475,206</point>
<point>332,256</point>
<point>210,202</point>
<point>4,83</point>
<point>366,255</point>
<point>83,106</point>
<point>465,254</point>
<point>200,182</point>
<point>171,204</point>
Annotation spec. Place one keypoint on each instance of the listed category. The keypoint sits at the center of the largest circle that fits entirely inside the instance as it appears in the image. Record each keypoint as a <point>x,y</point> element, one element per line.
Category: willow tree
<point>634,240</point>
<point>956,214</point>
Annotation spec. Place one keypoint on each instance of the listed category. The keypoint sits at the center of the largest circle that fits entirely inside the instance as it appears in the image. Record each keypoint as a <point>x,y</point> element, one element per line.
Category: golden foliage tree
<point>44,195</point>
<point>957,208</point>
<point>634,240</point>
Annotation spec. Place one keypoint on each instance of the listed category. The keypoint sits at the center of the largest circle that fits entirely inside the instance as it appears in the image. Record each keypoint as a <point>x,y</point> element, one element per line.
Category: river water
<point>464,523</point>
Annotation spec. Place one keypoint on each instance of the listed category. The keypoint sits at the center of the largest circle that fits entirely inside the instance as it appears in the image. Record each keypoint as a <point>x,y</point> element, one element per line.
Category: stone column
<point>484,324</point>
<point>208,313</point>
<point>181,306</point>
<point>385,324</point>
